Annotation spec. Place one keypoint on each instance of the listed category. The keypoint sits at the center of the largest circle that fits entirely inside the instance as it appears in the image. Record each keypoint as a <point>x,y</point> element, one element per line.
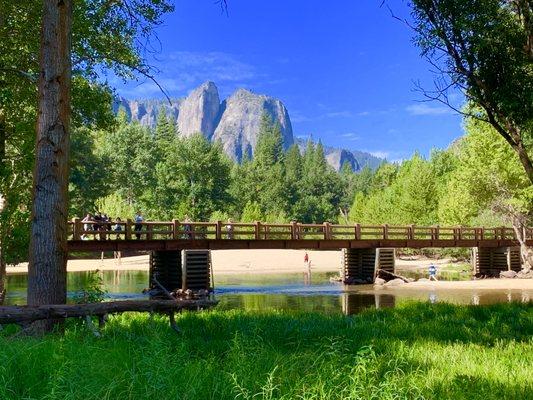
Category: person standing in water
<point>307,272</point>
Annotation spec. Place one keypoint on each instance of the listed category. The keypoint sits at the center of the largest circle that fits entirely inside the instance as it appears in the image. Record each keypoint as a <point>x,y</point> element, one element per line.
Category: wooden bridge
<point>180,250</point>
<point>178,235</point>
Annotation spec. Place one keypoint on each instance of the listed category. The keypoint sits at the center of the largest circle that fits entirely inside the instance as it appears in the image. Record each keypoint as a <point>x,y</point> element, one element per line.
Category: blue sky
<point>344,69</point>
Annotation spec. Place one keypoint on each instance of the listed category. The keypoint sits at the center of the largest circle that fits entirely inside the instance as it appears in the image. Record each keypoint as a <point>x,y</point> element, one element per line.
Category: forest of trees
<point>165,176</point>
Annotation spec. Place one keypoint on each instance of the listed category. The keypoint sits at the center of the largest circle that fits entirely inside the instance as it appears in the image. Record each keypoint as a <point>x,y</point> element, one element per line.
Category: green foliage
<point>114,206</point>
<point>94,291</point>
<point>484,49</point>
<point>252,212</point>
<point>105,37</point>
<point>414,351</point>
<point>87,179</point>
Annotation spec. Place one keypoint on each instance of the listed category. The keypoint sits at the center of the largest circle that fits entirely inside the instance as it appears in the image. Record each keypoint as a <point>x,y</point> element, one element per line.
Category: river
<point>279,291</point>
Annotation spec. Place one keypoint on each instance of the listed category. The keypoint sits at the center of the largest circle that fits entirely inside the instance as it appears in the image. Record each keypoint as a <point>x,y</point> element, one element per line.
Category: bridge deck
<point>173,235</point>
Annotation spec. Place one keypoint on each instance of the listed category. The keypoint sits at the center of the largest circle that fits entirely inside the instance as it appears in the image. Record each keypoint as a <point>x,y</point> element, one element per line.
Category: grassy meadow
<point>414,351</point>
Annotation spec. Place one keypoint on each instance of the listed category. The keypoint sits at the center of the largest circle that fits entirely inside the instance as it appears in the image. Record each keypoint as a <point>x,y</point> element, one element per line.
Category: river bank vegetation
<point>415,351</point>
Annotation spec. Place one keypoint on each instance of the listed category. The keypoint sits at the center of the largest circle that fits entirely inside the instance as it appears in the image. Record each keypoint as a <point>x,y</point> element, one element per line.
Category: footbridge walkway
<point>177,235</point>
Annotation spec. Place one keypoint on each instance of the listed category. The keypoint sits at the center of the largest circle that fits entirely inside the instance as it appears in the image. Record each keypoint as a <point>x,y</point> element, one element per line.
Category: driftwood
<point>23,315</point>
<point>389,276</point>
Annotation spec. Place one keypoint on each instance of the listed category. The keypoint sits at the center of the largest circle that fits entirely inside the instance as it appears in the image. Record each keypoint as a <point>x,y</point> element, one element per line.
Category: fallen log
<point>389,276</point>
<point>28,314</point>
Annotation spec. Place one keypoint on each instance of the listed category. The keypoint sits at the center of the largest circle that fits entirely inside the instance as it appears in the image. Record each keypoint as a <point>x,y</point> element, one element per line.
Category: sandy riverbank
<point>239,261</point>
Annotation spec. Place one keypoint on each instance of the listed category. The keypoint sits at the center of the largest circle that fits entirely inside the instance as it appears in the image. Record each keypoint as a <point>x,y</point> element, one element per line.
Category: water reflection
<point>295,291</point>
<point>353,303</point>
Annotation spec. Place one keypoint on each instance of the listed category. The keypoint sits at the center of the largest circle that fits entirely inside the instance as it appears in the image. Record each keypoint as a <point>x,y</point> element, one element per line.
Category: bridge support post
<point>165,270</point>
<point>196,270</point>
<point>359,266</point>
<point>490,261</point>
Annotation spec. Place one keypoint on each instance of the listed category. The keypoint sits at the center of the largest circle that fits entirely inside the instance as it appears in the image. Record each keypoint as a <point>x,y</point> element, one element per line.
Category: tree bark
<point>3,140</point>
<point>48,242</point>
<point>526,253</point>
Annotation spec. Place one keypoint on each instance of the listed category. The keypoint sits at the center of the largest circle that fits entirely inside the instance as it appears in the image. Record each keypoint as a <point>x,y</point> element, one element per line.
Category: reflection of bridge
<point>176,235</point>
<point>180,250</point>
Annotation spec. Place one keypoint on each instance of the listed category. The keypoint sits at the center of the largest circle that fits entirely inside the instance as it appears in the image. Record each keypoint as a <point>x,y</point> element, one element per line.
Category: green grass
<point>416,351</point>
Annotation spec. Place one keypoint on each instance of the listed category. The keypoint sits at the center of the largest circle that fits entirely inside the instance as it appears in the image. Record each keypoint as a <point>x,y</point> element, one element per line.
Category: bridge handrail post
<point>460,233</point>
<point>257,230</point>
<point>411,232</point>
<point>127,230</point>
<point>294,230</point>
<point>385,231</point>
<point>357,231</point>
<point>327,231</point>
<point>436,232</point>
<point>175,224</point>
<point>76,228</point>
<point>149,229</point>
<point>218,230</point>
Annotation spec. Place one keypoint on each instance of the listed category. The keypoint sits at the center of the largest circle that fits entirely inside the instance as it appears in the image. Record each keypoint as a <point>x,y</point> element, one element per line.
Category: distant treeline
<point>165,176</point>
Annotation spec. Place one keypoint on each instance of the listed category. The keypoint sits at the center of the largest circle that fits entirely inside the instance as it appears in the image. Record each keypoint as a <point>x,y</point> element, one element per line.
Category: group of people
<point>102,224</point>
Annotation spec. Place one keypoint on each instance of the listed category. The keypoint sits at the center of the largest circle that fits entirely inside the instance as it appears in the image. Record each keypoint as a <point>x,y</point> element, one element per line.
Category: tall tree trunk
<point>526,253</point>
<point>3,179</point>
<point>48,243</point>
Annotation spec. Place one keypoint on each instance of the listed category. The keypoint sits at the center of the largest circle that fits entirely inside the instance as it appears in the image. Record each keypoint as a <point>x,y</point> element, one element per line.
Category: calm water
<point>279,291</point>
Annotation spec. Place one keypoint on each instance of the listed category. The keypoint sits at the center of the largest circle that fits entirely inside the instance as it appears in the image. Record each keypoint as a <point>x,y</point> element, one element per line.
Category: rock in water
<point>394,282</point>
<point>508,274</point>
<point>199,111</point>
<point>241,118</point>
<point>379,281</point>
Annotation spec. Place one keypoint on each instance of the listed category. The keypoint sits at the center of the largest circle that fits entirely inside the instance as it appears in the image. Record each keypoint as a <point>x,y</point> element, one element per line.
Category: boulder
<point>508,274</point>
<point>395,282</point>
<point>379,282</point>
<point>525,275</point>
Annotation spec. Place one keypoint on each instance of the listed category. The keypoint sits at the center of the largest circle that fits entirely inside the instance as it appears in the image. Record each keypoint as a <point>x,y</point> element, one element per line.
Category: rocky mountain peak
<point>199,111</point>
<point>234,122</point>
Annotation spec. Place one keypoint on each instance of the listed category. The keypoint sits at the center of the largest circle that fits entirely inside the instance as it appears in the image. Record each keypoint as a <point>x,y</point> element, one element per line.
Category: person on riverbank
<point>432,272</point>
<point>138,224</point>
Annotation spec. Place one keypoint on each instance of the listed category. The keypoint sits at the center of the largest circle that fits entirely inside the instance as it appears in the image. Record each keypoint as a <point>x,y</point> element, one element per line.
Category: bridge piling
<point>490,261</point>
<point>360,265</point>
<point>165,270</point>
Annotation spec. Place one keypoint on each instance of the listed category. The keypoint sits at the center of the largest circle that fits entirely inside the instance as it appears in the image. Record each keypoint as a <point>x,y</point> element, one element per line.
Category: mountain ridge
<point>233,121</point>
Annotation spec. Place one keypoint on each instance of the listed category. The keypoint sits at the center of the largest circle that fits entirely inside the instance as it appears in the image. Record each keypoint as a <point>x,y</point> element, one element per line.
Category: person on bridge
<point>87,226</point>
<point>229,229</point>
<point>187,227</point>
<point>138,224</point>
<point>432,272</point>
<point>117,228</point>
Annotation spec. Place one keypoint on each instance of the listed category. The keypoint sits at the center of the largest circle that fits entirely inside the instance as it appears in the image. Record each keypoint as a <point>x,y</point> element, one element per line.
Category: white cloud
<point>181,71</point>
<point>335,114</point>
<point>350,136</point>
<point>379,153</point>
<point>426,109</point>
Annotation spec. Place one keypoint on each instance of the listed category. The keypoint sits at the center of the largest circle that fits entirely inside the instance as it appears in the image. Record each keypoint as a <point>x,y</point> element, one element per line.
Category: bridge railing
<point>166,230</point>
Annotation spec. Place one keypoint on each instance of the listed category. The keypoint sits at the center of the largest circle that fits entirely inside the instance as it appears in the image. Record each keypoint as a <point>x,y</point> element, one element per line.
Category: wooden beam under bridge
<point>243,244</point>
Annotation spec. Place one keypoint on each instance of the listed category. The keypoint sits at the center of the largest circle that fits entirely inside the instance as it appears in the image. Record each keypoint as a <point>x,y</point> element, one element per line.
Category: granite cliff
<point>234,122</point>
